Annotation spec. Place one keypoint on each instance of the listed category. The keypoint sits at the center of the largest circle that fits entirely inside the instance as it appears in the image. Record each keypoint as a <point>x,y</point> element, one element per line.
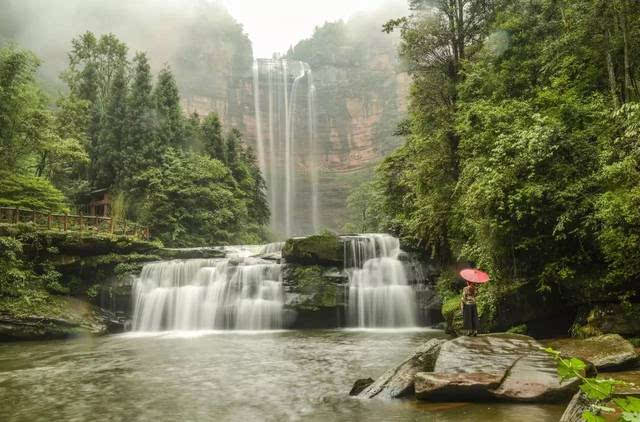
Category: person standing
<point>469,309</point>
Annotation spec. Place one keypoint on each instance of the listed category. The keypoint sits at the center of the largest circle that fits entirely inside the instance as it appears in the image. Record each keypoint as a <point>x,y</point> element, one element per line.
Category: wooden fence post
<point>65,221</point>
<point>111,225</point>
<point>124,230</point>
<point>33,217</point>
<point>80,220</point>
<point>49,221</point>
<point>16,215</point>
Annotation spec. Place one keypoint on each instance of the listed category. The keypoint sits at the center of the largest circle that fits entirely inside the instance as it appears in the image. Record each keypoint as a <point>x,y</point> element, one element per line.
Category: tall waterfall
<point>284,102</point>
<point>379,294</point>
<point>197,294</point>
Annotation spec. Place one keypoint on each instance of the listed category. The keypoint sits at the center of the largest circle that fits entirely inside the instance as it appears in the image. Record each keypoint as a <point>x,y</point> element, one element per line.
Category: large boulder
<point>505,367</point>
<point>315,296</point>
<point>609,318</point>
<point>527,373</point>
<point>607,352</point>
<point>578,404</point>
<point>53,317</point>
<point>457,386</point>
<point>399,381</point>
<point>321,249</point>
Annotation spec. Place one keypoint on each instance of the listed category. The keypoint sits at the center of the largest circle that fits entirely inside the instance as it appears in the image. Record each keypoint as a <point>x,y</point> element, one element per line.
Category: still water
<point>222,376</point>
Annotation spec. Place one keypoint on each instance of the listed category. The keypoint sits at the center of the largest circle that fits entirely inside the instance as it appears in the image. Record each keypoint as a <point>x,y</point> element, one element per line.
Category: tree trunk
<point>613,86</point>
<point>622,18</point>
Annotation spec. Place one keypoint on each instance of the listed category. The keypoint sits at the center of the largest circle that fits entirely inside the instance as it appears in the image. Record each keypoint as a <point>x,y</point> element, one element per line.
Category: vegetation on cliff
<point>522,141</point>
<point>117,129</point>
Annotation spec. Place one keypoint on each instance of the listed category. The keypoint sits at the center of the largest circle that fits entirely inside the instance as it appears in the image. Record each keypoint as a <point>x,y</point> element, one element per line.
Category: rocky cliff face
<point>361,96</point>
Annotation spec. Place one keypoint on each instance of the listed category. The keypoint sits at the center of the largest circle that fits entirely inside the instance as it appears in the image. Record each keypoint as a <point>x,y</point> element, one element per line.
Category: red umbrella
<point>474,276</point>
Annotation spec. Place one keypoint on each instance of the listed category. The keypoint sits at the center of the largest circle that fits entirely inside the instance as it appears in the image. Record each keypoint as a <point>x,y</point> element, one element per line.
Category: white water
<point>279,81</point>
<point>241,293</point>
<point>271,248</point>
<point>379,294</point>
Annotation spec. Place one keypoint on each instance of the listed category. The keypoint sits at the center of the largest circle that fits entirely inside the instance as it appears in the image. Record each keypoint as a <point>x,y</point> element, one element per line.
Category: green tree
<point>140,150</point>
<point>107,166</point>
<point>191,200</point>
<point>212,140</point>
<point>25,121</point>
<point>169,112</point>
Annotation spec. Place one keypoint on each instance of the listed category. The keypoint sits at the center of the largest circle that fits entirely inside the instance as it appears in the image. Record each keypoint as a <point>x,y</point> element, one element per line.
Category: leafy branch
<point>598,391</point>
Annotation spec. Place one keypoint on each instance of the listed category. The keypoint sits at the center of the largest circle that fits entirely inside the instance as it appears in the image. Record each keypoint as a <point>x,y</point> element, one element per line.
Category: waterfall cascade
<point>284,102</point>
<point>241,293</point>
<point>379,294</point>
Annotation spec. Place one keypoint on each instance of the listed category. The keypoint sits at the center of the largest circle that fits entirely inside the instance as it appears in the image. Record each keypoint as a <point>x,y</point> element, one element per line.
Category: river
<point>223,376</point>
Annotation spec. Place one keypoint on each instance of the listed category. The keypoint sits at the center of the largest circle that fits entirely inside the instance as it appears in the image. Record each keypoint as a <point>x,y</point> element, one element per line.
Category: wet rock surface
<point>578,404</point>
<point>505,367</point>
<point>64,317</point>
<point>459,386</point>
<point>607,352</point>
<point>399,381</point>
<point>323,249</point>
<point>360,385</point>
<point>529,373</point>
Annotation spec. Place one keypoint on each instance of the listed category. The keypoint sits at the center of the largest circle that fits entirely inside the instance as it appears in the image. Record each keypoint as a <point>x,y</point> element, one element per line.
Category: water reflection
<point>275,376</point>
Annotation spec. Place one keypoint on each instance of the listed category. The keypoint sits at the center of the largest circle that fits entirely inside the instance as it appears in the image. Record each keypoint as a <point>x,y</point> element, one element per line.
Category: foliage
<point>25,121</point>
<point>520,151</point>
<point>518,329</point>
<point>30,192</point>
<point>598,391</point>
<point>191,200</point>
<point>363,209</point>
<point>14,274</point>
<point>119,129</point>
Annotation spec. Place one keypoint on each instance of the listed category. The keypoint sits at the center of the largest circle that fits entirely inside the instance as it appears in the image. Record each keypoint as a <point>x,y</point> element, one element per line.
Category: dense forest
<point>522,144</point>
<point>119,128</point>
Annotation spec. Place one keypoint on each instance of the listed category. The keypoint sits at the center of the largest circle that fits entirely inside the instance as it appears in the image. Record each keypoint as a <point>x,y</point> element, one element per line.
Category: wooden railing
<point>67,222</point>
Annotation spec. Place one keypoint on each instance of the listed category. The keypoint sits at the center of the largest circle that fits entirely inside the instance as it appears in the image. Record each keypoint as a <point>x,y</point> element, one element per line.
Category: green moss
<point>322,249</point>
<point>451,305</point>
<point>518,329</point>
<point>635,341</point>
<point>316,290</point>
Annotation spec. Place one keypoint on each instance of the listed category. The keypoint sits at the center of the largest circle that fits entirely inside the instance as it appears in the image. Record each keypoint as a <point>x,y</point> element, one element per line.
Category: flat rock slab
<point>457,386</point>
<point>608,352</point>
<point>398,381</point>
<point>529,374</point>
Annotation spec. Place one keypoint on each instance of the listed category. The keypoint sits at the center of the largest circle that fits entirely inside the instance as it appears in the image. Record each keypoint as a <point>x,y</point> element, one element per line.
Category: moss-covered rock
<point>315,296</point>
<point>48,277</point>
<point>605,318</point>
<point>606,352</point>
<point>321,249</point>
<point>41,316</point>
<point>192,253</point>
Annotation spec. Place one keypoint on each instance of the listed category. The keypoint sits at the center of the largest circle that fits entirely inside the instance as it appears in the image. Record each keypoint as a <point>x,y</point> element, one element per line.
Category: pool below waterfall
<point>223,376</point>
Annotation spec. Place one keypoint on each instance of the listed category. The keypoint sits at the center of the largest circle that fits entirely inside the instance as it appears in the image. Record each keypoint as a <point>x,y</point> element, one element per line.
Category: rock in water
<point>360,385</point>
<point>399,381</point>
<point>470,367</point>
<point>458,386</point>
<point>578,404</point>
<point>609,352</point>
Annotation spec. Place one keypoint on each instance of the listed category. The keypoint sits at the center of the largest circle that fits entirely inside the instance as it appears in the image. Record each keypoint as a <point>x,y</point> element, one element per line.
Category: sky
<point>275,25</point>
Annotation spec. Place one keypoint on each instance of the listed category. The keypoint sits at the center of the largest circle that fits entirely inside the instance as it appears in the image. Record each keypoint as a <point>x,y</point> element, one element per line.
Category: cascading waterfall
<point>271,248</point>
<point>278,138</point>
<point>242,293</point>
<point>379,294</point>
